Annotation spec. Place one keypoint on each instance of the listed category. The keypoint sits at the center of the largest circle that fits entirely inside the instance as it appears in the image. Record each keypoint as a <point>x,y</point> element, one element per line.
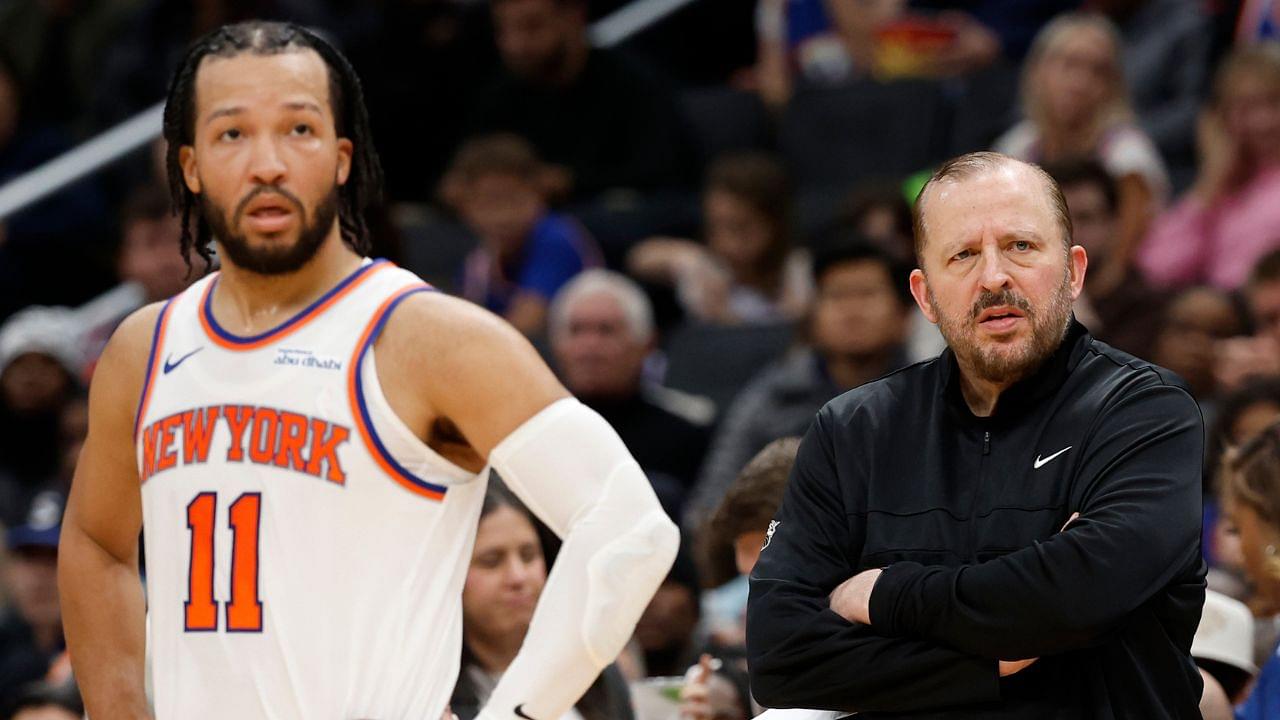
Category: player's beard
<point>1000,362</point>
<point>272,260</point>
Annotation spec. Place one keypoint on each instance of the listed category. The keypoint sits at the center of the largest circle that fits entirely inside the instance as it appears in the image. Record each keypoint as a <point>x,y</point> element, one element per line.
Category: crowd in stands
<point>706,230</point>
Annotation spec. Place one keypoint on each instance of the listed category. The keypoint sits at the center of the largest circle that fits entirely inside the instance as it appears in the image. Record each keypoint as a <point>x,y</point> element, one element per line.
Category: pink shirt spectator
<point>1216,244</point>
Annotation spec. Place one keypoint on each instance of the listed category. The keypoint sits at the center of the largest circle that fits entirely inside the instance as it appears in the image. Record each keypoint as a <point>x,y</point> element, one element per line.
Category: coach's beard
<point>271,260</point>
<point>1008,364</point>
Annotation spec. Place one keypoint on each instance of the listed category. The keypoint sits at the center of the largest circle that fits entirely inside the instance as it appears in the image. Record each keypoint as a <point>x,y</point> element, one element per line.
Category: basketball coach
<point>1010,530</point>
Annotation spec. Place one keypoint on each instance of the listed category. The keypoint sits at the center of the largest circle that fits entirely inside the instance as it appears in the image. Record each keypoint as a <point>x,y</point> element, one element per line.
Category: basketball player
<point>302,434</point>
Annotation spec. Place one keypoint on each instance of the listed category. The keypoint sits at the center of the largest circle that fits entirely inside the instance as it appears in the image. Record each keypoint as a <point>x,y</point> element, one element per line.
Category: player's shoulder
<point>131,342</point>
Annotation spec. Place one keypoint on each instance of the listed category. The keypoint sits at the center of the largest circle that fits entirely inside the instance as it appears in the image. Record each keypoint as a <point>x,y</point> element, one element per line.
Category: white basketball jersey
<point>305,551</point>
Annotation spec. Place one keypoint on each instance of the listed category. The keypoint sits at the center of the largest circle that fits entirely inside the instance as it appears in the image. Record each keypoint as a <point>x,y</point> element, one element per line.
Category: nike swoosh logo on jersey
<point>170,366</point>
<point>520,712</point>
<point>1042,462</point>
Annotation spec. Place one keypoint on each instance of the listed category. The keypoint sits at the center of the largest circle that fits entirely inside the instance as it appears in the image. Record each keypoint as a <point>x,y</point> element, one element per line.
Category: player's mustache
<point>268,189</point>
<point>1004,297</point>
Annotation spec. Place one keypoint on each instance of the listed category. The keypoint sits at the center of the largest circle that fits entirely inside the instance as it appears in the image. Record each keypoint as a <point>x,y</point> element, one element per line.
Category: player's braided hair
<point>364,184</point>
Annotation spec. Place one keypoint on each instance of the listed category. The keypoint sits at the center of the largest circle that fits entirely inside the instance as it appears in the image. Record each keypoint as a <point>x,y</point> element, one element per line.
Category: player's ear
<point>190,173</point>
<point>920,291</point>
<point>345,148</point>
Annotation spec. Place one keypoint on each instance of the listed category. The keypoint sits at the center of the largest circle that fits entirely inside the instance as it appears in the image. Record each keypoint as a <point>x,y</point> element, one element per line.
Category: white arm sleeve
<point>572,470</point>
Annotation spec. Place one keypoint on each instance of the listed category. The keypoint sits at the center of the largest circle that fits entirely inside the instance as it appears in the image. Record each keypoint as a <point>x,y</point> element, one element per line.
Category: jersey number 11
<point>244,609</point>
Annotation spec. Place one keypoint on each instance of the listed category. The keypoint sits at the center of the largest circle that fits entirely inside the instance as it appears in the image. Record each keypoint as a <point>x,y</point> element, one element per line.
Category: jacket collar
<point>1019,398</point>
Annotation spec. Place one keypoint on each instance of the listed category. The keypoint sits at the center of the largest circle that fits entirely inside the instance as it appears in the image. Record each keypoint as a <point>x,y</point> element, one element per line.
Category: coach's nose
<point>992,266</point>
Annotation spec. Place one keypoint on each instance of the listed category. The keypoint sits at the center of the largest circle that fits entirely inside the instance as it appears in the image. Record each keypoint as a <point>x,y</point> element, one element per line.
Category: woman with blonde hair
<point>1077,106</point>
<point>1250,487</point>
<point>1228,220</point>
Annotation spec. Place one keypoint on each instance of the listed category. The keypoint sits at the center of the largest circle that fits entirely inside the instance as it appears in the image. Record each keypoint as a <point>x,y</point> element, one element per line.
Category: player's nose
<point>267,166</point>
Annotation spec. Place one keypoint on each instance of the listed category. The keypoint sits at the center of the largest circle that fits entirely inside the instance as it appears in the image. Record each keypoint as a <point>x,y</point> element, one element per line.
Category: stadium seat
<point>717,360</point>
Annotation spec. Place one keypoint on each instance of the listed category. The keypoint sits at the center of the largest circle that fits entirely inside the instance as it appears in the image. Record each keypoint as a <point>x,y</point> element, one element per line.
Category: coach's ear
<point>920,291</point>
<point>187,159</point>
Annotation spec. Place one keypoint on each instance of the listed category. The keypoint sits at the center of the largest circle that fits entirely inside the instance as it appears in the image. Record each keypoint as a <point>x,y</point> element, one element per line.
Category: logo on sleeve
<point>1041,462</point>
<point>768,536</point>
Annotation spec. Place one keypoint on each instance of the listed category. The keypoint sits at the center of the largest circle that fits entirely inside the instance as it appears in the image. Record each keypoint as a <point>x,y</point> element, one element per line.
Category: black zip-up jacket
<point>966,515</point>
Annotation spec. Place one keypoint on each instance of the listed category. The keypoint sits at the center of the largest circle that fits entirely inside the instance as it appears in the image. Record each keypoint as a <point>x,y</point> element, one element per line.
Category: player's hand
<point>1013,667</point>
<point>852,599</point>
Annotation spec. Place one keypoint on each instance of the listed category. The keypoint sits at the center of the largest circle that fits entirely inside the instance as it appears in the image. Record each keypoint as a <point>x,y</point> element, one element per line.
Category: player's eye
<point>303,129</point>
<point>230,134</point>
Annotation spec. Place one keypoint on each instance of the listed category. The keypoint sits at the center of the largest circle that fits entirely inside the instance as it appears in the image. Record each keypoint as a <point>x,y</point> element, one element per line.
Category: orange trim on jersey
<point>228,341</point>
<point>149,381</point>
<point>380,456</point>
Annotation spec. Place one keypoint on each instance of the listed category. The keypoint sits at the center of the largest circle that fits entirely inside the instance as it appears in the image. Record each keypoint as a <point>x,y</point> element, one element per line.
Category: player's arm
<point>103,610</point>
<point>1138,530</point>
<point>571,469</point>
<point>803,655</point>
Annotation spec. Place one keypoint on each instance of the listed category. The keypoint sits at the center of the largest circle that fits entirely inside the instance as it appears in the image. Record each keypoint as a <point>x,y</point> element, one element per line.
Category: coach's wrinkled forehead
<point>971,193</point>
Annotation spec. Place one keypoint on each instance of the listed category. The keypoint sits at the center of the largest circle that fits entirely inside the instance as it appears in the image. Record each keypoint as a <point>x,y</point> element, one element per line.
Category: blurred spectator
<point>665,631</point>
<point>601,331</point>
<point>526,253</point>
<point>414,132</point>
<point>1014,23</point>
<point>38,366</point>
<point>148,263</point>
<point>1076,105</point>
<point>589,109</point>
<point>856,333</point>
<point>880,213</point>
<point>1165,57</point>
<point>730,541</point>
<point>1128,313</point>
<point>506,577</point>
<point>714,692</point>
<point>1258,355</point>
<point>1223,645</point>
<point>58,47</point>
<point>747,272</point>
<point>1251,500</point>
<point>44,701</point>
<point>31,626</point>
<point>1228,220</point>
<point>1193,324</point>
<point>137,67</point>
<point>36,241</point>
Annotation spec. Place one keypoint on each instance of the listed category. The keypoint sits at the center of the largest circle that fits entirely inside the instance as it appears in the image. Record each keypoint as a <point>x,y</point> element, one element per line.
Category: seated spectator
<point>148,263</point>
<point>506,577</point>
<point>38,371</point>
<point>1195,322</point>
<point>38,240</point>
<point>1259,354</point>
<point>1228,220</point>
<point>588,109</point>
<point>856,333</point>
<point>1075,102</point>
<point>747,272</point>
<point>1165,56</point>
<point>1223,647</point>
<point>527,252</point>
<point>31,627</point>
<point>44,701</point>
<point>601,331</point>
<point>880,213</point>
<point>737,531</point>
<point>1250,486</point>
<point>1127,315</point>
<point>1244,413</point>
<point>665,631</point>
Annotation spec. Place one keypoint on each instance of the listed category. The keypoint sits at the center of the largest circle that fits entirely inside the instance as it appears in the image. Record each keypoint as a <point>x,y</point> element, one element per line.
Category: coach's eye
<point>1021,245</point>
<point>962,255</point>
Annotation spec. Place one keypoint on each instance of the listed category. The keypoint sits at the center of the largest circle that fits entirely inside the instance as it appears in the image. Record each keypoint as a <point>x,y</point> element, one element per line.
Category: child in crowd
<point>747,272</point>
<point>500,190</point>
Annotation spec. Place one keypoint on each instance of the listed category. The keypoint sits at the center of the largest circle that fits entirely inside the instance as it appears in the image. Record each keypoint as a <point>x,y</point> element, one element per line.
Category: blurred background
<point>698,210</point>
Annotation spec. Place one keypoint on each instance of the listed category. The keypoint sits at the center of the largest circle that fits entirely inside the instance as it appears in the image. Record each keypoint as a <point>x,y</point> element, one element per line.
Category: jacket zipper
<point>986,442</point>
